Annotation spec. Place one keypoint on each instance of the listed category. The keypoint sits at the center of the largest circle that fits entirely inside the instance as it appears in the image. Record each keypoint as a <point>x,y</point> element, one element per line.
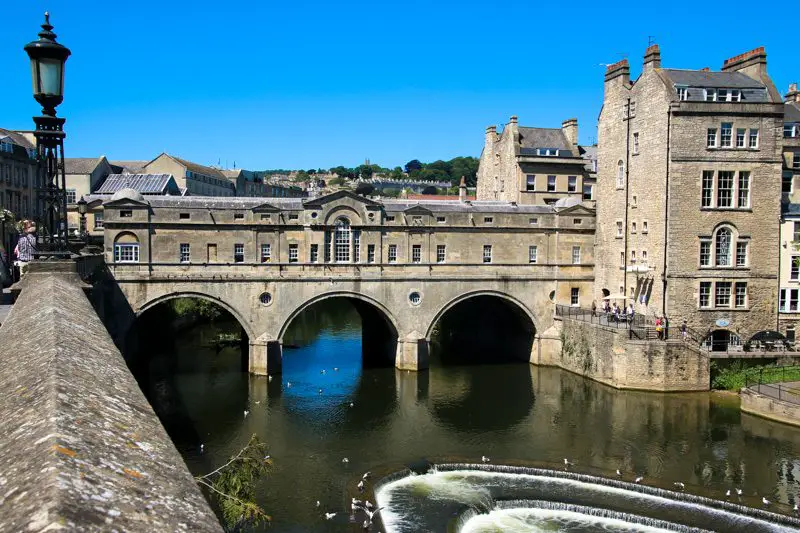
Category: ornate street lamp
<point>47,71</point>
<point>83,208</point>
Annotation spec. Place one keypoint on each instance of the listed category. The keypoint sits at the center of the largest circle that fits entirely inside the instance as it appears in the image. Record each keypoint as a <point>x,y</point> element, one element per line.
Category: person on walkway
<point>684,330</point>
<point>594,308</point>
<point>615,311</point>
<point>26,246</point>
<point>630,313</point>
<point>659,329</point>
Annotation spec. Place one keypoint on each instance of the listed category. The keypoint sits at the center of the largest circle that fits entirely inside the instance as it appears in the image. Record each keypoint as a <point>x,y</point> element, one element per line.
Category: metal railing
<point>780,382</point>
<point>639,326</point>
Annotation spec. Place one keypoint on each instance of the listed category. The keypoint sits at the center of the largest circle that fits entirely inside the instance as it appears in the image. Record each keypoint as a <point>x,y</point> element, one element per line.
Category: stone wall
<point>608,356</point>
<point>771,408</point>
<point>81,448</point>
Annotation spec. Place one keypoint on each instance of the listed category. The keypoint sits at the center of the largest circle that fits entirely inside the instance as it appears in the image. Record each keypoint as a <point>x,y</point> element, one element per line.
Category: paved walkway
<point>788,391</point>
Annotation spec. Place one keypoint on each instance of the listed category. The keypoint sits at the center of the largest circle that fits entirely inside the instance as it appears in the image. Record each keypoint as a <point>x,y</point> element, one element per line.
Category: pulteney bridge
<point>403,264</point>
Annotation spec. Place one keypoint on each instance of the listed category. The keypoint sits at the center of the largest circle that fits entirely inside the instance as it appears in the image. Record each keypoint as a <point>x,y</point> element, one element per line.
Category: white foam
<point>525,520</point>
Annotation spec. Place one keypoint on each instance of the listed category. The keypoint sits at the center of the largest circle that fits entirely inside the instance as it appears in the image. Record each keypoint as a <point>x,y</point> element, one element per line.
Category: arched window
<point>341,241</point>
<point>723,247</point>
<point>126,248</point>
<point>620,174</point>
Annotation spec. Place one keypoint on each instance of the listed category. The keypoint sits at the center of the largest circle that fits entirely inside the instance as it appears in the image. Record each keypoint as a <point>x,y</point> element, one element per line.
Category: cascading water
<point>471,498</point>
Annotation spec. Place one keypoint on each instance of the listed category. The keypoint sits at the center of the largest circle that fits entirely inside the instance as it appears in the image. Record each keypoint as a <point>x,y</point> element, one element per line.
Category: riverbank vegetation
<point>232,487</point>
<point>195,308</point>
<point>739,373</point>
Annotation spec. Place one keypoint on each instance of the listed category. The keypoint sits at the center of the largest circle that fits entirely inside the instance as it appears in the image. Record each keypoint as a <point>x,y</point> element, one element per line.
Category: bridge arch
<point>384,311</point>
<point>246,325</point>
<point>468,295</point>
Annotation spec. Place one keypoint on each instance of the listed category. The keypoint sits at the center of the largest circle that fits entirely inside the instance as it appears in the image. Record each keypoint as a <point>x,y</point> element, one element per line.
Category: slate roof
<point>291,204</point>
<point>200,169</point>
<point>143,183</point>
<point>707,78</point>
<point>17,139</point>
<point>543,138</point>
<point>81,165</point>
<point>589,154</point>
<point>791,112</point>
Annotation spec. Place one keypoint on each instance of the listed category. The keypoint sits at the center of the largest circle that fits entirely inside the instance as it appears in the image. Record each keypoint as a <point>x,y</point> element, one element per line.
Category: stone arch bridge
<point>404,310</point>
<point>402,263</point>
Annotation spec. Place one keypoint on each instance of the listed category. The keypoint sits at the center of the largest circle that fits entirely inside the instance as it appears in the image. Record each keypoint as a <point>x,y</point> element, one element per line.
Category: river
<point>326,407</point>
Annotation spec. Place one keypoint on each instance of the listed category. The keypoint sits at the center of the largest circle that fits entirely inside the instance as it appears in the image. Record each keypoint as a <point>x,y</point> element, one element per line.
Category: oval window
<point>265,298</point>
<point>415,298</point>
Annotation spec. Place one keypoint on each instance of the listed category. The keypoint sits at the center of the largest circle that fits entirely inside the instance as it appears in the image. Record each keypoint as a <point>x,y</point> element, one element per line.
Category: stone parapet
<point>608,356</point>
<point>81,449</point>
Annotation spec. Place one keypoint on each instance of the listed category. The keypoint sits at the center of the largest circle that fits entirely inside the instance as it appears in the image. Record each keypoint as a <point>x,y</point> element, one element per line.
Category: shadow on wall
<point>483,329</point>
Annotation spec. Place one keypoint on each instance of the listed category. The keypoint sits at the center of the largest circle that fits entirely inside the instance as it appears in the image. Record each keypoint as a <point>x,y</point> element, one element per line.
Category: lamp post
<point>47,71</point>
<point>83,208</point>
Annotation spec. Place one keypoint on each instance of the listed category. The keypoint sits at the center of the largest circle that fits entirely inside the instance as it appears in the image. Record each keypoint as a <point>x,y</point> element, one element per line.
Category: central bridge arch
<point>485,326</point>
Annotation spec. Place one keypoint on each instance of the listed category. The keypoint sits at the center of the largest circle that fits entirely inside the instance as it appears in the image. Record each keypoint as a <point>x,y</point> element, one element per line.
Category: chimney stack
<point>752,63</point>
<point>462,190</point>
<point>570,129</point>
<point>652,58</point>
<point>793,95</point>
<point>620,70</point>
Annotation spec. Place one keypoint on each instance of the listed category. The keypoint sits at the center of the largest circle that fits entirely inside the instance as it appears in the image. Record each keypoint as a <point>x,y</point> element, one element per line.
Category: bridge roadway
<point>266,300</point>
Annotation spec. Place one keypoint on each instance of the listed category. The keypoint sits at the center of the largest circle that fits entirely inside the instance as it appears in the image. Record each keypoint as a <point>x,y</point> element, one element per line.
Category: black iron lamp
<point>47,70</point>
<point>83,208</point>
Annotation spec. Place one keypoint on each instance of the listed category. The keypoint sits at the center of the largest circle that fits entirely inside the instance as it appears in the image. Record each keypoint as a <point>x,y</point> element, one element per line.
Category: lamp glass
<point>51,77</point>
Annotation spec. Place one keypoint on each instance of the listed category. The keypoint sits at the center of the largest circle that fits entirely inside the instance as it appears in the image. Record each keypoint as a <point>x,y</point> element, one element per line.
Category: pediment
<point>265,208</point>
<point>417,210</point>
<point>340,195</point>
<point>576,210</point>
<point>126,202</point>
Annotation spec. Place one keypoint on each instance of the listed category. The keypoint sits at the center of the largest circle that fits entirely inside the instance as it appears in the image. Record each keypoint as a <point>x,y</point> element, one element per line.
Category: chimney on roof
<point>752,63</point>
<point>462,190</point>
<point>570,129</point>
<point>619,72</point>
<point>793,95</point>
<point>652,58</point>
<point>491,138</point>
<point>706,69</point>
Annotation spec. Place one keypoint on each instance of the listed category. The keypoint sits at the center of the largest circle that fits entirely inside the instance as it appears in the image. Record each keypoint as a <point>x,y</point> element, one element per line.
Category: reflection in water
<point>452,411</point>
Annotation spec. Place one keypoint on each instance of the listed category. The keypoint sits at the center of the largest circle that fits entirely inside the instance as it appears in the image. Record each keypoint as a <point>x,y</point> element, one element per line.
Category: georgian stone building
<point>688,200</point>
<point>19,175</point>
<point>196,179</point>
<point>532,166</point>
<point>789,268</point>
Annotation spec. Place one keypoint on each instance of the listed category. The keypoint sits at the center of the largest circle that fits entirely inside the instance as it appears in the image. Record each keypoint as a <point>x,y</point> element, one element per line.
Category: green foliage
<point>448,171</point>
<point>413,166</point>
<point>336,181</point>
<point>301,176</point>
<point>738,373</point>
<point>365,189</point>
<point>232,486</point>
<point>390,193</point>
<point>365,171</point>
<point>430,189</point>
<point>195,307</point>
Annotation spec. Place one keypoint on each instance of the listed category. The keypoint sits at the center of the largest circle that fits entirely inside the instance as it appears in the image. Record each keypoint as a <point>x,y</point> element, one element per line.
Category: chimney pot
<point>652,57</point>
<point>513,119</point>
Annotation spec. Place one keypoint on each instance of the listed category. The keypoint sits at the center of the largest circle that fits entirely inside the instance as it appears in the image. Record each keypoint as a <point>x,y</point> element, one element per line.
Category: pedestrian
<point>615,311</point>
<point>659,328</point>
<point>630,312</point>
<point>594,308</point>
<point>26,246</point>
<point>684,330</point>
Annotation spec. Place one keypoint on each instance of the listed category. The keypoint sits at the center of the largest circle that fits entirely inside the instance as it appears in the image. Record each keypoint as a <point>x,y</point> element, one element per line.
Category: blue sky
<point>306,84</point>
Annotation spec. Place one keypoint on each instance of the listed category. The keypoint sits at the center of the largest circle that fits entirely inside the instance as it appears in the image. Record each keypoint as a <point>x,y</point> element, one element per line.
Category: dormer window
<point>547,151</point>
<point>710,95</point>
<point>683,93</point>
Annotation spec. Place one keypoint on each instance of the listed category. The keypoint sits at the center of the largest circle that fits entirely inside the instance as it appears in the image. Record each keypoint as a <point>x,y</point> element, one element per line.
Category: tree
<point>232,486</point>
<point>365,189</point>
<point>301,176</point>
<point>413,165</point>
<point>397,174</point>
<point>336,181</point>
<point>430,189</point>
<point>311,171</point>
<point>365,171</point>
<point>390,193</point>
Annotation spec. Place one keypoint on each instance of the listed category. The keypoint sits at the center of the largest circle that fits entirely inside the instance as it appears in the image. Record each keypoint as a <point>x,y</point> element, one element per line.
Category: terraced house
<point>688,203</point>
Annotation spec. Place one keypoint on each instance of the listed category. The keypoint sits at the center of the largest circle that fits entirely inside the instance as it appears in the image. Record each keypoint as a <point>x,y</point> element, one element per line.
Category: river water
<point>383,420</point>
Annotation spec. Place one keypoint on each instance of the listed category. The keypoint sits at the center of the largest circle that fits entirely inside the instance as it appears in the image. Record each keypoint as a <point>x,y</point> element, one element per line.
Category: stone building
<point>532,166</point>
<point>789,268</point>
<point>253,184</point>
<point>688,193</point>
<point>83,175</point>
<point>19,172</point>
<point>198,180</point>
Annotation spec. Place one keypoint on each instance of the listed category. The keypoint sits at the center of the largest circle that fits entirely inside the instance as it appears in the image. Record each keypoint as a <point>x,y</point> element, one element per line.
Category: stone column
<point>265,357</point>
<point>412,352</point>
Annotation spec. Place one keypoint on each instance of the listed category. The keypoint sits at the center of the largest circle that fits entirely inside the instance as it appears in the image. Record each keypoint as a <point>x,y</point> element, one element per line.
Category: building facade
<point>196,179</point>
<point>688,194</point>
<point>532,166</point>
<point>19,177</point>
<point>83,176</point>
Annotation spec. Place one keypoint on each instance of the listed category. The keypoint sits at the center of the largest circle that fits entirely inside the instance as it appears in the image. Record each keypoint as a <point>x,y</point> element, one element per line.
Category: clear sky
<point>302,84</point>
